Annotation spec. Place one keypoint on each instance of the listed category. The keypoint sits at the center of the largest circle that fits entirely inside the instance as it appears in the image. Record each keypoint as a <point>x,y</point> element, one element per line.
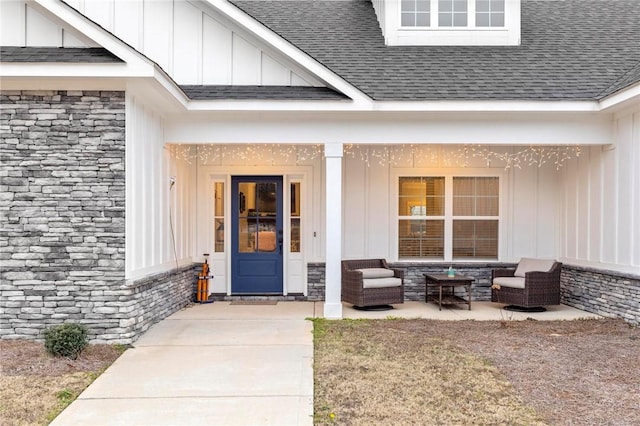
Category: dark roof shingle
<point>570,50</point>
<point>261,93</point>
<point>57,54</point>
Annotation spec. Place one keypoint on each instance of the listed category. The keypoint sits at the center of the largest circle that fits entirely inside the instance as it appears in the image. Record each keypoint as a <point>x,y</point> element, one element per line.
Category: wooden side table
<point>444,280</point>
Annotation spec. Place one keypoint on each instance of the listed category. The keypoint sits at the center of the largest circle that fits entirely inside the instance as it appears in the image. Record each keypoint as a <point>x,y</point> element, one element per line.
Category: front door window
<point>257,217</point>
<point>257,239</point>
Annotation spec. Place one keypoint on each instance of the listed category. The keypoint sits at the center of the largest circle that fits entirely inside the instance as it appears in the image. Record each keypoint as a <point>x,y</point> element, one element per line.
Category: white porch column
<point>333,255</point>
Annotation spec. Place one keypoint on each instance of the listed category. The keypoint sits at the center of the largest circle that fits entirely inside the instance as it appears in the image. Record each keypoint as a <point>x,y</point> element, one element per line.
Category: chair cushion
<point>381,282</point>
<point>511,282</point>
<point>376,273</point>
<point>528,265</point>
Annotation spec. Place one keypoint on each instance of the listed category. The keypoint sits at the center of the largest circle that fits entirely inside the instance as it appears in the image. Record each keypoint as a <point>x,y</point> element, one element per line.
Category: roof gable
<point>60,16</point>
<point>193,43</point>
<point>102,46</point>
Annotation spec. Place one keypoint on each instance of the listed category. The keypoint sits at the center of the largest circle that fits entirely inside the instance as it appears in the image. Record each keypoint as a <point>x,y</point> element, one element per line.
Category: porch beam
<point>333,247</point>
<point>304,127</point>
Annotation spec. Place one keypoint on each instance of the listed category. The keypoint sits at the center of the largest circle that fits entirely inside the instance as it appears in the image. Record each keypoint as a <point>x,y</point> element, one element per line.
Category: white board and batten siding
<point>188,40</point>
<point>529,209</point>
<point>160,220</point>
<point>601,219</point>
<point>23,25</point>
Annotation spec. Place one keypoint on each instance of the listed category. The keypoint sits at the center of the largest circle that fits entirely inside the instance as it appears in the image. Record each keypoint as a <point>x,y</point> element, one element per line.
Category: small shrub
<point>66,340</point>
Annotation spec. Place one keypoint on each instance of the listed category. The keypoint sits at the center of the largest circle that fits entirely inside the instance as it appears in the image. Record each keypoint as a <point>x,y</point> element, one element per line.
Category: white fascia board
<point>170,86</point>
<point>154,95</point>
<point>72,69</point>
<point>62,83</point>
<point>488,106</point>
<point>72,76</point>
<point>624,97</point>
<point>395,106</point>
<point>99,35</point>
<point>296,55</point>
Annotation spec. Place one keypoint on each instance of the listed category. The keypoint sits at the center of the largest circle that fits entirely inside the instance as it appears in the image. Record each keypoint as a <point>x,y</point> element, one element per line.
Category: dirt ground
<point>584,372</point>
<point>571,372</point>
<point>35,386</point>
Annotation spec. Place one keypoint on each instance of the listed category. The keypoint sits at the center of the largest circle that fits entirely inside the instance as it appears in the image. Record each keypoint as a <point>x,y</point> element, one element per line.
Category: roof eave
<point>629,96</point>
<point>74,70</point>
<point>499,106</point>
<point>303,60</point>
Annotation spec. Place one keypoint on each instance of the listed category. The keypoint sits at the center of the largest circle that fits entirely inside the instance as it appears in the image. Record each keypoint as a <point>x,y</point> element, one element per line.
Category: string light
<point>410,155</point>
<point>531,156</point>
<point>251,154</point>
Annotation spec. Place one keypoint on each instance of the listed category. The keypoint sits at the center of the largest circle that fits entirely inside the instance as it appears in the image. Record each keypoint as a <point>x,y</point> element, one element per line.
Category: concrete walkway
<point>223,364</point>
<point>210,364</point>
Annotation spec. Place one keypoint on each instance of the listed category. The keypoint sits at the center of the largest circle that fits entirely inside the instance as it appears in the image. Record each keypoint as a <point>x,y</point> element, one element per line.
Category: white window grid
<point>448,216</point>
<point>452,14</point>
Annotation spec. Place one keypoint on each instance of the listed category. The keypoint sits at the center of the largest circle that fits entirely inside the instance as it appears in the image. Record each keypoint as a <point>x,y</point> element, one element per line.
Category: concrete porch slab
<point>480,311</point>
<point>225,310</point>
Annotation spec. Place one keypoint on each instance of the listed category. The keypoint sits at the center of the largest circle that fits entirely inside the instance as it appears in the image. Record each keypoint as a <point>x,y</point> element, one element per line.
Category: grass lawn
<point>372,375</point>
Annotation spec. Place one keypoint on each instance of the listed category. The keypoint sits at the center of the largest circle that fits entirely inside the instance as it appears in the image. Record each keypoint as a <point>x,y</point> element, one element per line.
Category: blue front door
<point>256,256</point>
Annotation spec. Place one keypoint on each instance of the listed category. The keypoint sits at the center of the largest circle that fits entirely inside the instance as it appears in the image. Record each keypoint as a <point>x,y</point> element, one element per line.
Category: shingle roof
<point>570,50</point>
<point>57,54</point>
<point>261,93</point>
<point>631,77</point>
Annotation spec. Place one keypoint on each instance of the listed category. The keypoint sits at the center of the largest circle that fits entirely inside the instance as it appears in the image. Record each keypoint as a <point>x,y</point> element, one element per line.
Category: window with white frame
<point>421,217</point>
<point>415,13</point>
<point>489,13</point>
<point>452,13</point>
<point>218,216</point>
<point>448,217</point>
<point>294,224</point>
<point>475,217</point>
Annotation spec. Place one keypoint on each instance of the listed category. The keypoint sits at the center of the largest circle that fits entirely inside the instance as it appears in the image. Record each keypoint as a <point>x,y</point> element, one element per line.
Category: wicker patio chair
<point>371,284</point>
<point>525,288</point>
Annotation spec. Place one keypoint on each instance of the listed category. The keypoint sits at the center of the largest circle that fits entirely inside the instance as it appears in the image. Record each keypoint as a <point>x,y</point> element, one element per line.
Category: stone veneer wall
<point>315,281</point>
<point>414,280</point>
<point>153,298</point>
<point>606,293</point>
<point>62,188</point>
<point>62,246</point>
